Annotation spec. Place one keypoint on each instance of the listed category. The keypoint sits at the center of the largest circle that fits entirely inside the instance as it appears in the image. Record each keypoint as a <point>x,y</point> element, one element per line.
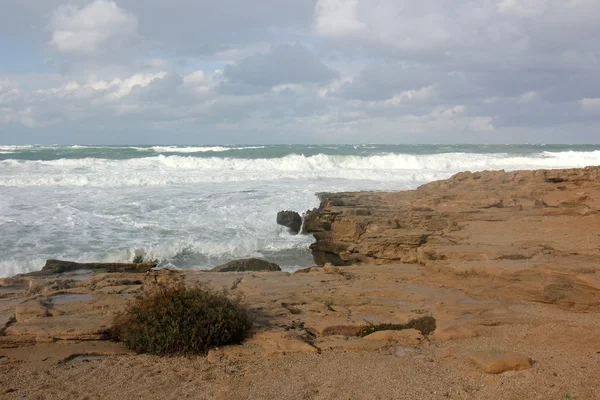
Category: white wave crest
<point>166,170</point>
<point>16,148</point>
<point>176,149</point>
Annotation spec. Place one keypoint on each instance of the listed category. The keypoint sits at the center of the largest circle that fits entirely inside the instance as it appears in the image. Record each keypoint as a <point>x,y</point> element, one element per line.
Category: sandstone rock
<point>539,203</point>
<point>291,220</point>
<point>343,330</point>
<point>406,337</point>
<point>280,342</point>
<point>5,320</point>
<point>30,310</point>
<point>454,332</point>
<point>247,264</point>
<point>329,268</point>
<point>60,266</point>
<point>496,362</point>
<point>65,327</point>
<point>399,225</point>
<point>306,270</point>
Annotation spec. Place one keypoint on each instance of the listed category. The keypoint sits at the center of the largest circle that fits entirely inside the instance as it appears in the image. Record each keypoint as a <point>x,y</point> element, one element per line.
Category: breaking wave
<point>177,169</point>
<point>176,149</point>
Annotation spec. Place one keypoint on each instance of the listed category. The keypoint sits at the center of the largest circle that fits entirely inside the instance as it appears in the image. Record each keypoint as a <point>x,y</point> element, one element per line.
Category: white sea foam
<point>166,170</point>
<point>15,148</point>
<point>196,212</point>
<point>176,149</point>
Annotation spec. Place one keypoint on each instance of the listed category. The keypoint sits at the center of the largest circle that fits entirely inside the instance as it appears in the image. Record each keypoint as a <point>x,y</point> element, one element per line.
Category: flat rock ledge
<point>59,267</point>
<point>456,218</point>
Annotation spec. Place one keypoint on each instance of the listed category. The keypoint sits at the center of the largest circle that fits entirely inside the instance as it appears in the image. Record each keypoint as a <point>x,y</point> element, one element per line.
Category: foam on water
<point>192,149</point>
<point>174,170</point>
<point>197,210</point>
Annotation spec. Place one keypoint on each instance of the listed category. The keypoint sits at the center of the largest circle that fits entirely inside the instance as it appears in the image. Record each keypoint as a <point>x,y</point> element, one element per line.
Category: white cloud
<point>524,98</point>
<point>98,27</point>
<point>282,64</point>
<point>591,105</point>
<point>521,8</point>
<point>123,87</point>
<point>338,18</point>
<point>481,124</point>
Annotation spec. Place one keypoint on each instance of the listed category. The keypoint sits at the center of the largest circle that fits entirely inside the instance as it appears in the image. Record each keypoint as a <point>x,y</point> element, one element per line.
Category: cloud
<point>282,64</point>
<point>591,105</point>
<point>384,81</point>
<point>336,18</point>
<point>321,70</point>
<point>97,27</point>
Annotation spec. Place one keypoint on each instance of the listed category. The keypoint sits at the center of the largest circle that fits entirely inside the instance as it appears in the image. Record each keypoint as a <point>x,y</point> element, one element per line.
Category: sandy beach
<point>506,263</point>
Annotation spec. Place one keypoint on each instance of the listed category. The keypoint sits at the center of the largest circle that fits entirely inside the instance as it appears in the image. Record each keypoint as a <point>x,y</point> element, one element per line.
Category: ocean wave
<point>183,254</point>
<point>16,147</point>
<point>176,169</point>
<point>176,149</point>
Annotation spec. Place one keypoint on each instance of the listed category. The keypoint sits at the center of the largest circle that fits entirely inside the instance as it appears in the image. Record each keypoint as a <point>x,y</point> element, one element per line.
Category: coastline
<point>504,261</point>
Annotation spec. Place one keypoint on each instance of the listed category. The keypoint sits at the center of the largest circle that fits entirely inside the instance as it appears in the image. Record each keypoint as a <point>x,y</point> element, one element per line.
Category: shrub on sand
<point>173,319</point>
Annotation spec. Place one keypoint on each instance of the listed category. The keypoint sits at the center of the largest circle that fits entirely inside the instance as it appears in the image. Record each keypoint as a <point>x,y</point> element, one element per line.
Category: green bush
<point>173,319</point>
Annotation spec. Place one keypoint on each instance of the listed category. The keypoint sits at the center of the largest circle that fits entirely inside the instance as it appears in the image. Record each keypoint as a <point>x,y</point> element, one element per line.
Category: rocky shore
<point>506,264</point>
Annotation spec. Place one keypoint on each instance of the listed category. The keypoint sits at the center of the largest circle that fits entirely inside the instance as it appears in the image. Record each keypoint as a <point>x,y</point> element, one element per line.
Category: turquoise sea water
<point>198,206</point>
<point>54,152</point>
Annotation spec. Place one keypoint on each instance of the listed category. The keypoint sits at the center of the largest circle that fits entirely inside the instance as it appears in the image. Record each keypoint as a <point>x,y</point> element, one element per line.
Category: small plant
<point>425,325</point>
<point>173,319</point>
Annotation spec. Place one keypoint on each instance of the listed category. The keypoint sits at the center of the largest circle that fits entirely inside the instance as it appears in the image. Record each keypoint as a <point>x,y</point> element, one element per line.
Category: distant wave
<point>175,169</point>
<point>175,149</point>
<point>16,148</point>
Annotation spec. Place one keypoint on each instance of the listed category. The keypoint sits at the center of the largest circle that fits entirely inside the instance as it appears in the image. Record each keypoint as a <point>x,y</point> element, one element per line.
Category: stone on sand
<point>496,362</point>
<point>406,337</point>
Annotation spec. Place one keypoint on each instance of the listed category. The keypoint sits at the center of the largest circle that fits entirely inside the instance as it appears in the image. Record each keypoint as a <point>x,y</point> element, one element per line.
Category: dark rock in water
<point>247,264</point>
<point>291,220</point>
<point>59,267</point>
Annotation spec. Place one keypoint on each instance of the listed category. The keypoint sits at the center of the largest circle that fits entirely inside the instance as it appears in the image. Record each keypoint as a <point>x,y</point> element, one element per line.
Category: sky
<point>299,71</point>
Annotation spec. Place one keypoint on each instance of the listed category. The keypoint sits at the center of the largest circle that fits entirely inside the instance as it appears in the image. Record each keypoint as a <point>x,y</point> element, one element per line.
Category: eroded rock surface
<point>59,266</point>
<point>466,217</point>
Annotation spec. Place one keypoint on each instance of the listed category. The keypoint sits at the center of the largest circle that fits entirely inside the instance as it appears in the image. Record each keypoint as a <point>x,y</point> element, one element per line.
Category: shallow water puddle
<point>70,298</point>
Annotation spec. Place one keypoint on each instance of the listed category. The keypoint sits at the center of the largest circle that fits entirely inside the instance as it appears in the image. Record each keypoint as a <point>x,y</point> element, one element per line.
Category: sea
<point>195,207</point>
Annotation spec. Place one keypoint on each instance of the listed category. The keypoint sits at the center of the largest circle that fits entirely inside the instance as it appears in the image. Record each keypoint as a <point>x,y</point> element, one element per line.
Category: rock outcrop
<point>247,264</point>
<point>291,220</point>
<point>459,218</point>
<point>59,267</point>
